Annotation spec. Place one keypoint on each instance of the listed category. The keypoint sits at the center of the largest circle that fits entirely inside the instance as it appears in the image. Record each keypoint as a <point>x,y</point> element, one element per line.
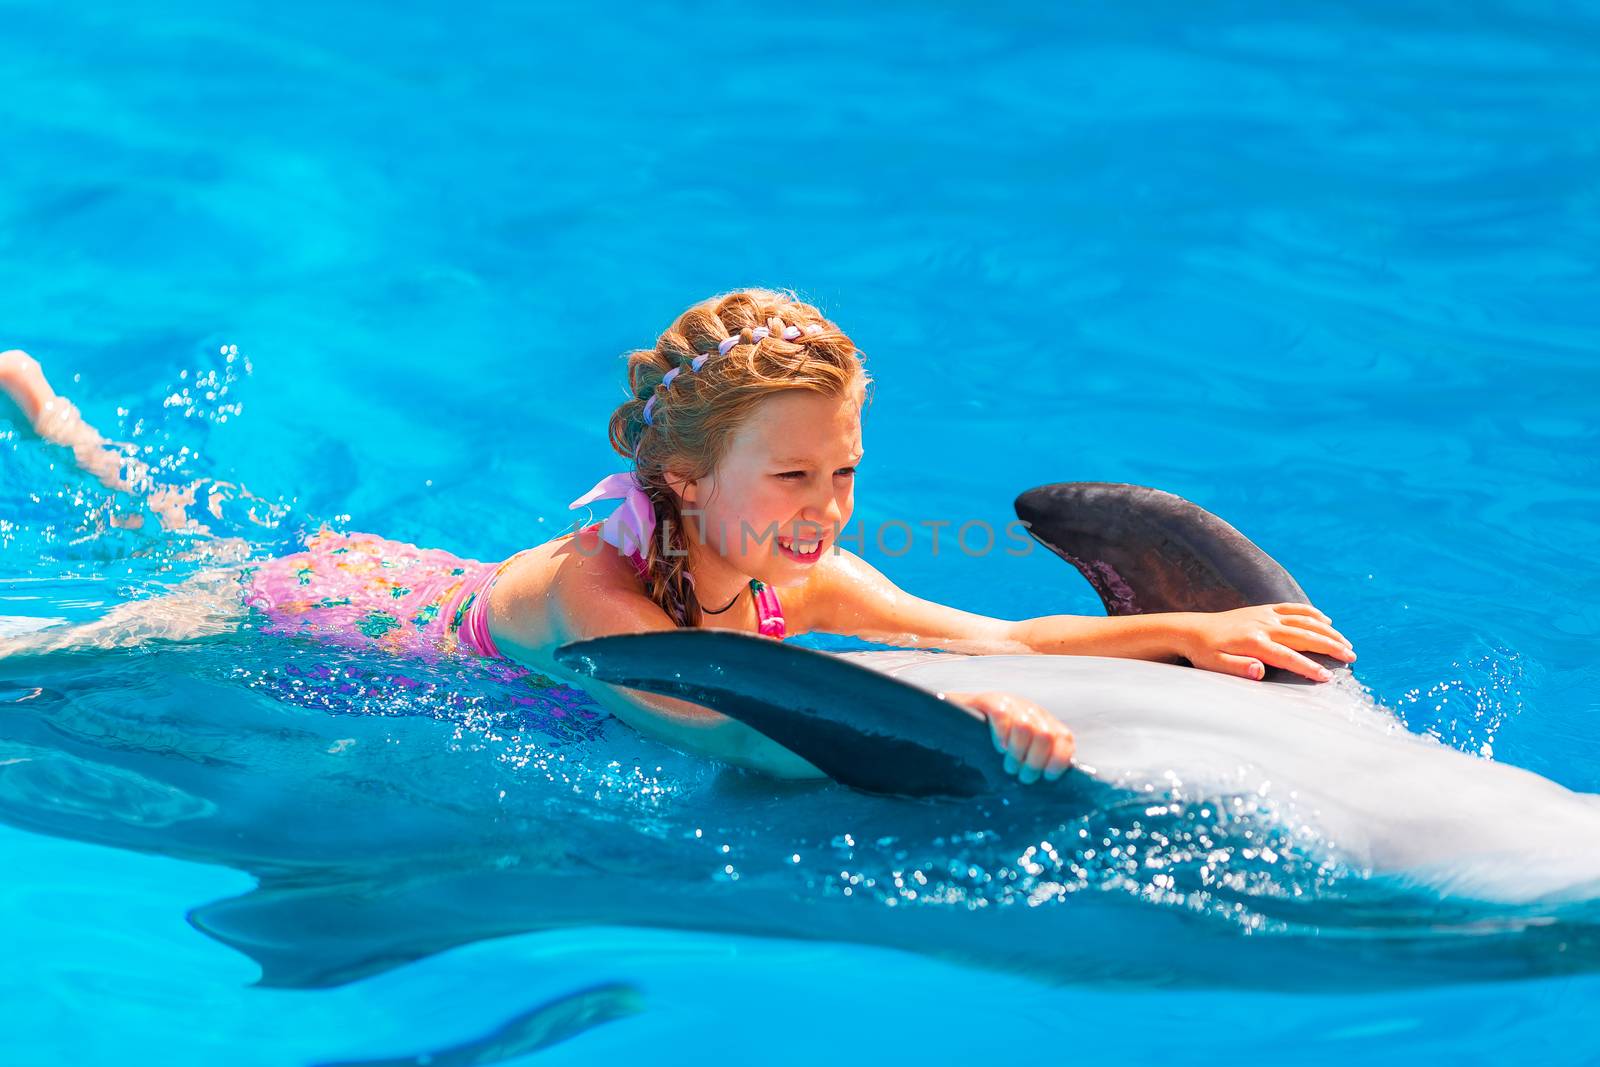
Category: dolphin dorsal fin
<point>1146,551</point>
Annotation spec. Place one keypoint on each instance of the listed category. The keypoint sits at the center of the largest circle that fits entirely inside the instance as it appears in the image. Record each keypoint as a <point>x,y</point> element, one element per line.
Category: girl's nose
<point>826,513</point>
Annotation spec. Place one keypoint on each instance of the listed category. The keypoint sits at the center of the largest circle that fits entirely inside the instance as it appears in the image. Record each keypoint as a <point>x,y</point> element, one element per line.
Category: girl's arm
<point>539,604</point>
<point>57,420</point>
<point>535,613</point>
<point>853,597</point>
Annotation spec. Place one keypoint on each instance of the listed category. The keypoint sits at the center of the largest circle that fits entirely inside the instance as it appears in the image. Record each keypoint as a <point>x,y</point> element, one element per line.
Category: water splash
<point>1236,861</point>
<point>58,513</point>
<point>1468,709</point>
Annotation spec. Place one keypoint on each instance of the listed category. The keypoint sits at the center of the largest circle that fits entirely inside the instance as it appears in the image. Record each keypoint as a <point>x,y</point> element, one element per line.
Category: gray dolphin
<point>379,839</point>
<point>1328,762</point>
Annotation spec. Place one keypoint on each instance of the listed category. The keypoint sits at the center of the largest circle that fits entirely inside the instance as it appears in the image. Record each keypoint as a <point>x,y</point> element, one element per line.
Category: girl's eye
<point>844,472</point>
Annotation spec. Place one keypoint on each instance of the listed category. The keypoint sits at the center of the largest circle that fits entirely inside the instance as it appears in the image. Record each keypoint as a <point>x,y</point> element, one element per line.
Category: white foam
<point>17,625</point>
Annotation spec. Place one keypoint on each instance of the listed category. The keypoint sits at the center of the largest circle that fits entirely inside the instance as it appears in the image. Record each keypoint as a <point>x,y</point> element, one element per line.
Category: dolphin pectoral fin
<point>533,1030</point>
<point>309,936</point>
<point>317,928</point>
<point>861,728</point>
<point>1145,551</point>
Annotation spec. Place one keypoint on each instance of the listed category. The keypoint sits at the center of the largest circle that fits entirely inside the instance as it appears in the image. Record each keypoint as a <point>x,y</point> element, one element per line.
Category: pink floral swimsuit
<point>362,591</point>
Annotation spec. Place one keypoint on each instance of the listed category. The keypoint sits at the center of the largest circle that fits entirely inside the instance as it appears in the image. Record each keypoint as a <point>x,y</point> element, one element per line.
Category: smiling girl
<point>743,428</point>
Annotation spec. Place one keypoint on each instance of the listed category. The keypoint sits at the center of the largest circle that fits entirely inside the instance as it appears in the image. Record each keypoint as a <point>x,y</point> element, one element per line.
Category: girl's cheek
<point>711,526</point>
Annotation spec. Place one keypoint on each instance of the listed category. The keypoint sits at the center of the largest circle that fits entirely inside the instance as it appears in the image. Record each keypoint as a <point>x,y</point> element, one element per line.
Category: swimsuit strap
<point>769,613</point>
<point>474,612</point>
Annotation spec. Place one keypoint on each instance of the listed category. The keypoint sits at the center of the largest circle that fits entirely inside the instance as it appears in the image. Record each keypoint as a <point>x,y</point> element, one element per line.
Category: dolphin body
<point>376,840</point>
<point>1325,763</point>
<point>1339,770</point>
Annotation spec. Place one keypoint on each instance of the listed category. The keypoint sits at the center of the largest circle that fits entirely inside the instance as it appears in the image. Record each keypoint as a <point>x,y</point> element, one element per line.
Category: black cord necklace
<point>725,607</point>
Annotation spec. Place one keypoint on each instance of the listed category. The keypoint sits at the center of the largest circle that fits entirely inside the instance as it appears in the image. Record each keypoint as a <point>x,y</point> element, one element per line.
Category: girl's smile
<point>803,552</point>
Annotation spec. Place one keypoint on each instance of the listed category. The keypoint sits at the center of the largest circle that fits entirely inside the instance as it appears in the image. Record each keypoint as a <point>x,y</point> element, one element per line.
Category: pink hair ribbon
<point>629,527</point>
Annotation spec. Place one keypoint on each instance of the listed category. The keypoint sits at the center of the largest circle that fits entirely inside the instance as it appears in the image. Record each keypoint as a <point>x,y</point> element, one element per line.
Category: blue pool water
<point>1329,273</point>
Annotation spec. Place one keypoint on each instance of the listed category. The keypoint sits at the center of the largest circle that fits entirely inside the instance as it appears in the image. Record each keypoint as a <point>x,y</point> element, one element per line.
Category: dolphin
<point>1328,763</point>
<point>452,815</point>
<point>379,840</point>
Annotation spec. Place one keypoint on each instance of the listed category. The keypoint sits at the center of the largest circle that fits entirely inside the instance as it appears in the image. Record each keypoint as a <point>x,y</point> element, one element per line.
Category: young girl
<point>743,429</point>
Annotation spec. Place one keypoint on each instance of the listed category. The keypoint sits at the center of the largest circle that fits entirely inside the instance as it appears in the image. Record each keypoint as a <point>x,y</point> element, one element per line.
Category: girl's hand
<point>1245,641</point>
<point>1035,743</point>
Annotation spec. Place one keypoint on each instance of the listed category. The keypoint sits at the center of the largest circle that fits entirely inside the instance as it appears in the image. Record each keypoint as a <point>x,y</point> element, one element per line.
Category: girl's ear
<point>687,489</point>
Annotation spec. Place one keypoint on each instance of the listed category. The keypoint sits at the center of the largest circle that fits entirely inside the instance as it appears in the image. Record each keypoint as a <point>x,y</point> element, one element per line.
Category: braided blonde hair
<point>694,419</point>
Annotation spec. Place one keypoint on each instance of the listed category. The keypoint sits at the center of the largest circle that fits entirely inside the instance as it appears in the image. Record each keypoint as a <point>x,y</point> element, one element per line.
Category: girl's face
<point>777,500</point>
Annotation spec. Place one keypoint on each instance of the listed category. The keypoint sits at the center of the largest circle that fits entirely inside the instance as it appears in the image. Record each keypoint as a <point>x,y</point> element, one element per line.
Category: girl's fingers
<point>1316,626</point>
<point>1021,739</point>
<point>1034,744</point>
<point>1300,609</point>
<point>1061,754</point>
<point>1038,756</point>
<point>997,732</point>
<point>1290,632</point>
<point>1306,641</point>
<point>1290,660</point>
<point>1240,666</point>
<point>999,715</point>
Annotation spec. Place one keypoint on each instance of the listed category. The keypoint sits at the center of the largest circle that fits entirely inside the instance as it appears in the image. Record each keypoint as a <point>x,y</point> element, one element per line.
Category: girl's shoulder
<point>547,592</point>
<point>573,563</point>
